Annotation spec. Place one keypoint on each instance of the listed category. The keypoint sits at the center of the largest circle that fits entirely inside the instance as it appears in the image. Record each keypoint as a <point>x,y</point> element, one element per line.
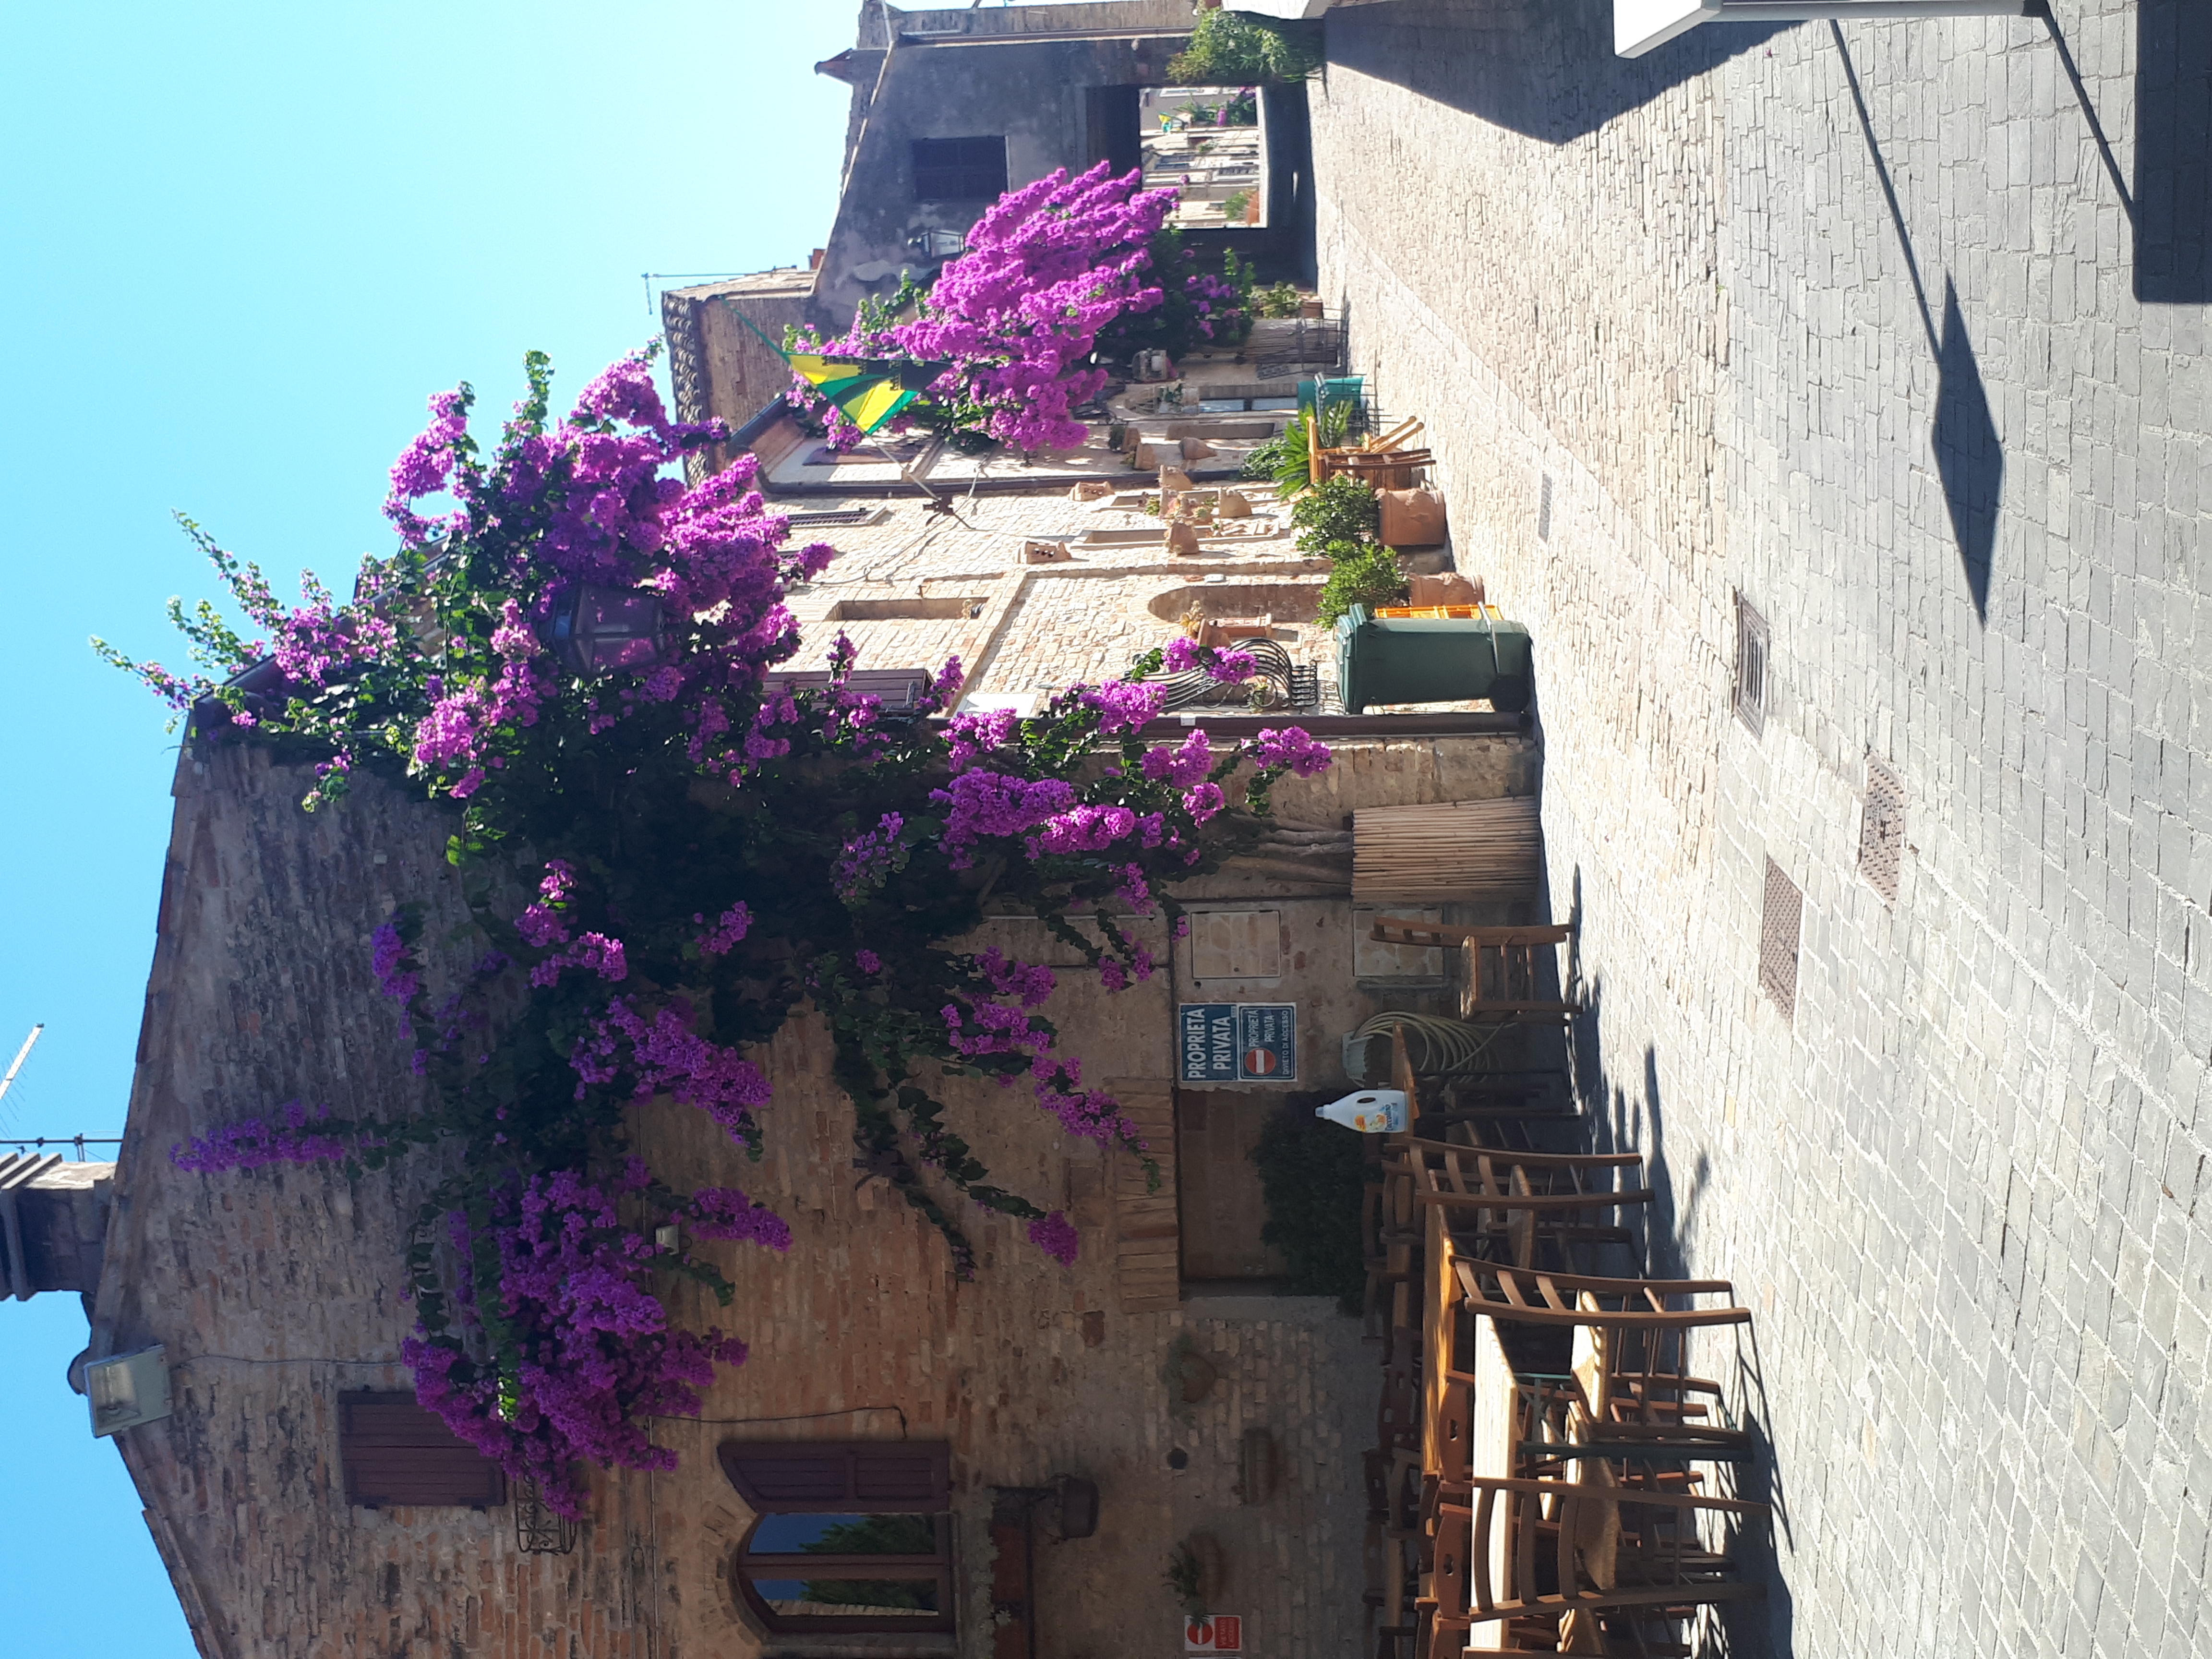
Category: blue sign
<point>1238,1043</point>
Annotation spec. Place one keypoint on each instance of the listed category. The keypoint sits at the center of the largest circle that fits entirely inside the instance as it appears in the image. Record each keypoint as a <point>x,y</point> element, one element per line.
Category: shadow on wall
<point>1969,455</point>
<point>1622,1119</point>
<point>2173,151</point>
<point>1766,1630</point>
<point>1969,458</point>
<point>1544,67</point>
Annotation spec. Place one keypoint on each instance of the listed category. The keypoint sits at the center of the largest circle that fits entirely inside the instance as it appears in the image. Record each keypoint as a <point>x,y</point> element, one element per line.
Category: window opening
<point>959,169</point>
<point>851,1536</point>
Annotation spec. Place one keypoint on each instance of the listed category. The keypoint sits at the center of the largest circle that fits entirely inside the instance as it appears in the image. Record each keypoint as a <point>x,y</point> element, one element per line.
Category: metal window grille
<point>959,169</point>
<point>1750,648</point>
<point>1310,346</point>
<point>1881,829</point>
<point>1780,925</point>
<point>539,1529</point>
<point>850,515</point>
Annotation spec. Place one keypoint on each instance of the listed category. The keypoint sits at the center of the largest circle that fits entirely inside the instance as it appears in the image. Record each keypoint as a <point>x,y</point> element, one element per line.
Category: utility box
<point>1431,659</point>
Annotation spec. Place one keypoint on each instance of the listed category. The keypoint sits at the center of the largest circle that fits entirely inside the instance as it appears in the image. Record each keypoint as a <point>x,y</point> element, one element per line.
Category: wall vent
<point>1881,829</point>
<point>1544,511</point>
<point>1750,643</point>
<point>1780,924</point>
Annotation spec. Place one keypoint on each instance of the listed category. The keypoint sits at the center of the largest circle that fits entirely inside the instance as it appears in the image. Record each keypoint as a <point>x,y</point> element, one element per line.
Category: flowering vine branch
<point>664,860</point>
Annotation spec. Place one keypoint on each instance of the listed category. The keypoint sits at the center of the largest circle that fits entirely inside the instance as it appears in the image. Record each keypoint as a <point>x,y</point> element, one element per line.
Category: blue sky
<point>243,242</point>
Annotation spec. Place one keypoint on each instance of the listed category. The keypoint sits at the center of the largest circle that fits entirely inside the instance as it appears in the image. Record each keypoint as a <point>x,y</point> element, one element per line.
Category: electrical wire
<point>289,1359</point>
<point>898,1411</point>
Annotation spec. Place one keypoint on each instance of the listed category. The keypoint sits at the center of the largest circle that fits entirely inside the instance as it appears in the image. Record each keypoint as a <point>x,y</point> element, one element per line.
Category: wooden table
<point>1495,1451</point>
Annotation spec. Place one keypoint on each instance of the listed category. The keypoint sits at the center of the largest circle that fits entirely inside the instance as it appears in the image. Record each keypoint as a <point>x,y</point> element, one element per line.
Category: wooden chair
<point>1570,1547</point>
<point>1509,1202</point>
<point>1536,1095</point>
<point>1558,1435</point>
<point>1501,974</point>
<point>1537,1297</point>
<point>1390,1245</point>
<point>1643,1390</point>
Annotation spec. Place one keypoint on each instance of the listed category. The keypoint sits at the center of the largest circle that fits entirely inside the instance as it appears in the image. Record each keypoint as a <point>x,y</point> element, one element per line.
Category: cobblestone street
<point>1845,322</point>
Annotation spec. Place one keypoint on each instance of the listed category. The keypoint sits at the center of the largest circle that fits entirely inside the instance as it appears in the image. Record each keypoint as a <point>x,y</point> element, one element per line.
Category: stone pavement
<point>1844,323</point>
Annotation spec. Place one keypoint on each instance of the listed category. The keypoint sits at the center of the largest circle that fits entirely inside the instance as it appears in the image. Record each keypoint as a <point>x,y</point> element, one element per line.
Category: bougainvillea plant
<point>663,864</point>
<point>1054,272</point>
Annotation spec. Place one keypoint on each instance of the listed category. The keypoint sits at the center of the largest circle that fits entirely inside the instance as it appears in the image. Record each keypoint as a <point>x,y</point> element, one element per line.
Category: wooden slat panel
<point>887,1478</point>
<point>1456,851</point>
<point>1147,1229</point>
<point>394,1452</point>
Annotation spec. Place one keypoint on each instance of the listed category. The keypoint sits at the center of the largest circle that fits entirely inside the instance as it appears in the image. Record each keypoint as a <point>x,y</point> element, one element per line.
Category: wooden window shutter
<point>395,1452</point>
<point>899,1477</point>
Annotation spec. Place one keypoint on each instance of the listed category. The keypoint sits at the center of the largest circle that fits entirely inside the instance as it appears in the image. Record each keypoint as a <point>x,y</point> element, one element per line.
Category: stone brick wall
<point>274,1289</point>
<point>1042,627</point>
<point>1674,345</point>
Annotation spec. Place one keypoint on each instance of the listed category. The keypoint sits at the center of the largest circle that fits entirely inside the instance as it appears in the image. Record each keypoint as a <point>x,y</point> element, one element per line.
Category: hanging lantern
<point>939,244</point>
<point>597,630</point>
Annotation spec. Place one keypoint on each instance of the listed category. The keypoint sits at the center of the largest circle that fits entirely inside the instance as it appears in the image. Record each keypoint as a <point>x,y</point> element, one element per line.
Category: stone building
<point>951,108</point>
<point>306,1509</point>
<point>302,1511</point>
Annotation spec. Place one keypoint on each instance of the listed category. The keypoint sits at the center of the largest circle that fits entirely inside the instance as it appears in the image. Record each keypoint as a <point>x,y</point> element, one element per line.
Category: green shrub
<point>1229,47</point>
<point>1276,300</point>
<point>1285,459</point>
<point>1336,510</point>
<point>1233,206</point>
<point>1173,325</point>
<point>1310,1172</point>
<point>1364,574</point>
<point>1185,1580</point>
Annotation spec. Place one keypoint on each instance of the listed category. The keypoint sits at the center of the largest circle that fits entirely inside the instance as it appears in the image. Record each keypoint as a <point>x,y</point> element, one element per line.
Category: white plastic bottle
<point>1371,1111</point>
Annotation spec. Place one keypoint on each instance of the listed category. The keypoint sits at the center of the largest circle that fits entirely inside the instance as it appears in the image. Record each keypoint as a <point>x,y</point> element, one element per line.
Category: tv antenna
<point>21,1055</point>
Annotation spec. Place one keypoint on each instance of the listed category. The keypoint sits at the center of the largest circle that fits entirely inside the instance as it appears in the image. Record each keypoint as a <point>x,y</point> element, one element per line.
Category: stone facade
<point>1845,322</point>
<point>274,1291</point>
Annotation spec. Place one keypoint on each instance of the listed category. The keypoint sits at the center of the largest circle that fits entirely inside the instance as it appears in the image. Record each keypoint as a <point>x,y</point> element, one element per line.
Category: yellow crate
<point>1471,612</point>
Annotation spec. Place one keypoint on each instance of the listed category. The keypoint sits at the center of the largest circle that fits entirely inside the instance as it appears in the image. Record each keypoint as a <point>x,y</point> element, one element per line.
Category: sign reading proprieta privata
<point>1220,1633</point>
<point>1238,1043</point>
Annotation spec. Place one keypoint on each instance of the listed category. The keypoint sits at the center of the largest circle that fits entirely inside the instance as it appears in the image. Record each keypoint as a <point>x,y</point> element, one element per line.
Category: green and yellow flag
<point>870,390</point>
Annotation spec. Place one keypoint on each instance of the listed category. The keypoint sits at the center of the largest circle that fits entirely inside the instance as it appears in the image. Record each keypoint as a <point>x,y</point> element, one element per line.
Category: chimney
<point>814,259</point>
<point>53,1224</point>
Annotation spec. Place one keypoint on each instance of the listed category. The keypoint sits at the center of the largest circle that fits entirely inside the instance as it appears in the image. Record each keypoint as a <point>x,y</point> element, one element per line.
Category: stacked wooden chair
<point>1604,1537</point>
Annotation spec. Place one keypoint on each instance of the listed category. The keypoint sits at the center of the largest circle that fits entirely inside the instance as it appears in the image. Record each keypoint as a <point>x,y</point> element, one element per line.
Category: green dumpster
<point>1431,659</point>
